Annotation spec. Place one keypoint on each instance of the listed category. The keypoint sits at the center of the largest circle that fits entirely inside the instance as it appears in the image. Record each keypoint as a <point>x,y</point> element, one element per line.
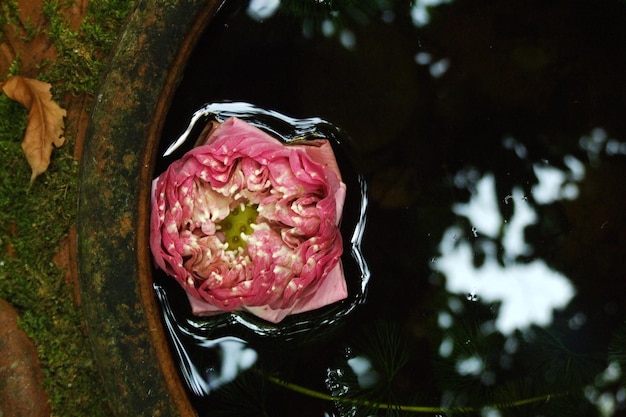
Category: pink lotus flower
<point>247,223</point>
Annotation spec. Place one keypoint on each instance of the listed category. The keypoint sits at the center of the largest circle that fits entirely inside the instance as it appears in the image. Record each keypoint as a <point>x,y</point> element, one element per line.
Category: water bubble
<point>471,296</point>
<point>333,382</point>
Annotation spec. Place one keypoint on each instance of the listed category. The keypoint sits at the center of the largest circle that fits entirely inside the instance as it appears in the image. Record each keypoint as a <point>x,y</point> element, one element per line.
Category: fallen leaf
<point>45,120</point>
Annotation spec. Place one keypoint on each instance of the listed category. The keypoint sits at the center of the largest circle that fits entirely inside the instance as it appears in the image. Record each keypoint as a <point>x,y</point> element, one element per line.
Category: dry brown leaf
<point>45,120</point>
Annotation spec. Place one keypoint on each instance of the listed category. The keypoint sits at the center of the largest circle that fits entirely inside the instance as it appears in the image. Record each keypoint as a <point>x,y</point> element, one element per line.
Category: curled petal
<point>247,223</point>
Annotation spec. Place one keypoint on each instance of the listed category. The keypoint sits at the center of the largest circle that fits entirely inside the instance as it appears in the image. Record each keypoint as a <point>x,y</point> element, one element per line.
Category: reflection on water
<point>231,356</point>
<point>260,10</point>
<point>527,292</point>
<point>521,290</point>
<point>493,141</point>
<point>420,14</point>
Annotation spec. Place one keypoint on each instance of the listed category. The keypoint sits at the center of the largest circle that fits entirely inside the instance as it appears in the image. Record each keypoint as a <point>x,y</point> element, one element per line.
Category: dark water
<point>493,142</point>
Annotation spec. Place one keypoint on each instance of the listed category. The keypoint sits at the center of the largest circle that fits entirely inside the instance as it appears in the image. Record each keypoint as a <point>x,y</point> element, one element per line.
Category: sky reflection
<point>420,14</point>
<point>260,10</point>
<point>487,259</point>
<point>527,293</point>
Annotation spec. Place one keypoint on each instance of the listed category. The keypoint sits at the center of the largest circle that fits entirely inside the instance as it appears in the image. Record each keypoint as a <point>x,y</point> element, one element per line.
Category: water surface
<point>492,138</point>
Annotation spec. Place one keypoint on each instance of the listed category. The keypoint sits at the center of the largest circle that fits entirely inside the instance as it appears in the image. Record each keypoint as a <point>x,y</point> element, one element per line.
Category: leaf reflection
<point>250,385</point>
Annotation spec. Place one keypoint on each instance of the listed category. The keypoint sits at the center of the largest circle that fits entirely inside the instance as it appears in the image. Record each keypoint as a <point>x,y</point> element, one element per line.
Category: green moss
<point>82,52</point>
<point>9,13</point>
<point>32,223</point>
<point>35,219</point>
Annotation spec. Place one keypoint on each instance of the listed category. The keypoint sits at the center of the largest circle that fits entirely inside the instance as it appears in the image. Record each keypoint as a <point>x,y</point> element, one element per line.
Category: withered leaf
<point>45,120</point>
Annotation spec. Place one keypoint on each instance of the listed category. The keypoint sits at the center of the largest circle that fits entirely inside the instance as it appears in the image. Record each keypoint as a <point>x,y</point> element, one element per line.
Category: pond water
<point>492,138</point>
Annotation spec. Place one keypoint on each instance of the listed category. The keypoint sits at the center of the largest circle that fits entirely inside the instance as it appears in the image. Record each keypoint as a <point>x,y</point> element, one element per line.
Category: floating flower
<point>245,222</point>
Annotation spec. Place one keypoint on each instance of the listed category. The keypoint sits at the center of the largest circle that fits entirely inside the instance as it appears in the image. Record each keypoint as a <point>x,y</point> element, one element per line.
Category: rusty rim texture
<point>114,263</point>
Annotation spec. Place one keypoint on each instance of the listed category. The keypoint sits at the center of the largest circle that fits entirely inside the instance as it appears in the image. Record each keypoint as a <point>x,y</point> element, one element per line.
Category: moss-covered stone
<point>113,200</point>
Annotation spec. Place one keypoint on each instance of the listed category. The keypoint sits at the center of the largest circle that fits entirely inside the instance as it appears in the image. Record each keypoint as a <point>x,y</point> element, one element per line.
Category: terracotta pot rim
<point>114,262</point>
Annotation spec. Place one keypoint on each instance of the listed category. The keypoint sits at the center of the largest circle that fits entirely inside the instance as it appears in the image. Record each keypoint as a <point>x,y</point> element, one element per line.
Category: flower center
<point>239,222</point>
